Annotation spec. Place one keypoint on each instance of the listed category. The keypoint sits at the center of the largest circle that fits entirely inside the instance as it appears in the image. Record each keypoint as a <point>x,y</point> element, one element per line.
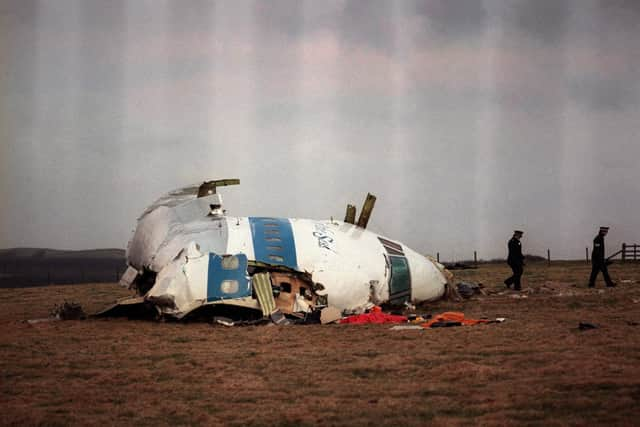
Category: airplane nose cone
<point>427,281</point>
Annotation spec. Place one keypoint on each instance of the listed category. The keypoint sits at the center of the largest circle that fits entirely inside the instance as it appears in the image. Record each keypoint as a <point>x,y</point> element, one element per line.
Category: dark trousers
<point>515,278</point>
<point>595,269</point>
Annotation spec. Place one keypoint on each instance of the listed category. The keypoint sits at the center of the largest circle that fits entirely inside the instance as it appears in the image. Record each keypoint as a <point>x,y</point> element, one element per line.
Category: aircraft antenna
<point>367,208</point>
<point>350,216</point>
<point>208,188</point>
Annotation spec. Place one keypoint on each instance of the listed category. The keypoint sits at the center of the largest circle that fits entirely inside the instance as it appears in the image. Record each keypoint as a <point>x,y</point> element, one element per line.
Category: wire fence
<point>628,252</point>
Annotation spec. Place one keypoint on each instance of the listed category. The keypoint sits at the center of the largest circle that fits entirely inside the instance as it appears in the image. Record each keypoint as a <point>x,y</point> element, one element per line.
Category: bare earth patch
<point>537,368</point>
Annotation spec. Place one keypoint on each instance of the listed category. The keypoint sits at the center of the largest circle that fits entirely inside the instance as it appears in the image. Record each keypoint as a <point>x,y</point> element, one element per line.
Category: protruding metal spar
<point>350,216</point>
<point>367,208</point>
<point>209,187</point>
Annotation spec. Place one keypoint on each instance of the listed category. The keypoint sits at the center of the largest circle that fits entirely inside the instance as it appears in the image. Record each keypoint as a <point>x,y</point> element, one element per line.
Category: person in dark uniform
<point>598,262</point>
<point>515,260</point>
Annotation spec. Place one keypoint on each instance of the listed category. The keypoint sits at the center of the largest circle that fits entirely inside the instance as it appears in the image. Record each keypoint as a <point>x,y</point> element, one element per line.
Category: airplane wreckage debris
<point>65,311</point>
<point>188,260</point>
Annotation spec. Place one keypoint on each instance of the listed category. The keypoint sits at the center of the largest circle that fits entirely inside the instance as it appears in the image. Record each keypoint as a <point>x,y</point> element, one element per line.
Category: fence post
<point>475,258</point>
<point>548,257</point>
<point>586,253</point>
<point>438,256</point>
<point>624,249</point>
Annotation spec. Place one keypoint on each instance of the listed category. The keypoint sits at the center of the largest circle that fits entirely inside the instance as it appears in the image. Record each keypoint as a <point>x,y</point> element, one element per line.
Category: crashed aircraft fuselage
<point>186,253</point>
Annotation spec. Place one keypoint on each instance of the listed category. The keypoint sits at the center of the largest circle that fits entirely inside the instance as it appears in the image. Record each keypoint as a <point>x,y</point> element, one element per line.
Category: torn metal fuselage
<point>187,257</point>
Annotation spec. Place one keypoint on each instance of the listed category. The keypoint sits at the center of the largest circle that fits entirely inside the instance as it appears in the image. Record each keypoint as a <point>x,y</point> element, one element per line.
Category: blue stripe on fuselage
<point>273,241</point>
<point>218,274</point>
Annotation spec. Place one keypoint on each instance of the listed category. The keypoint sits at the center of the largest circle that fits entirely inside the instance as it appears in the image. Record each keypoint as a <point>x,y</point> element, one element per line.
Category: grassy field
<point>537,368</point>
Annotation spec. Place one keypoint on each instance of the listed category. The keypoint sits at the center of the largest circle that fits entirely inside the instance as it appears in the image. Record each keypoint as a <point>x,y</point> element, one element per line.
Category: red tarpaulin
<point>375,316</point>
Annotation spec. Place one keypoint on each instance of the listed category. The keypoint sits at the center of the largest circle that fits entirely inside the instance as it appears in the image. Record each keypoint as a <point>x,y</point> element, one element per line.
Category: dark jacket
<point>597,255</point>
<point>515,252</point>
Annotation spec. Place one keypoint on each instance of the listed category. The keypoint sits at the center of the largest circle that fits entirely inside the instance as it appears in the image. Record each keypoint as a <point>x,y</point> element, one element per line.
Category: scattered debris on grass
<point>330,315</point>
<point>224,321</point>
<point>278,318</point>
<point>583,326</point>
<point>467,290</point>
<point>42,320</point>
<point>374,316</point>
<point>64,311</point>
<point>452,318</point>
<point>69,311</point>
<point>445,320</point>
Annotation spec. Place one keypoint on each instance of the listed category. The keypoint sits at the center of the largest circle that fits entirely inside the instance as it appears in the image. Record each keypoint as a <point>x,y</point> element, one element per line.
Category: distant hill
<point>21,267</point>
<point>58,253</point>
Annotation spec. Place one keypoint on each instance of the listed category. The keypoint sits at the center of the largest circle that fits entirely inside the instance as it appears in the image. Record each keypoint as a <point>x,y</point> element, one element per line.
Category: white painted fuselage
<point>357,268</point>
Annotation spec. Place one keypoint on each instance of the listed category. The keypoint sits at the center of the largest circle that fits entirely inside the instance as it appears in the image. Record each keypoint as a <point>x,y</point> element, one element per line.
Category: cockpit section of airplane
<point>187,259</point>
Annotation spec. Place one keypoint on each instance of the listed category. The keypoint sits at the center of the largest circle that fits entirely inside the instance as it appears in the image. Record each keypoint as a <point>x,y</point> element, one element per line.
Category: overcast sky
<point>466,119</point>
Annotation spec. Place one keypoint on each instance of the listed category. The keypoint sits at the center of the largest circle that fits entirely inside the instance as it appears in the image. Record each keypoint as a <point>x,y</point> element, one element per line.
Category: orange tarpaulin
<point>452,316</point>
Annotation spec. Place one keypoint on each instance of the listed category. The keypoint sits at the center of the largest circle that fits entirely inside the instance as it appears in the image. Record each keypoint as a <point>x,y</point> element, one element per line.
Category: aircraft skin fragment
<point>129,275</point>
<point>196,256</point>
<point>264,293</point>
<point>365,213</point>
<point>350,215</point>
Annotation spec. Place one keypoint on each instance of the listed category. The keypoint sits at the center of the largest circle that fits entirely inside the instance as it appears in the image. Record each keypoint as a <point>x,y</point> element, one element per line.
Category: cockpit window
<point>400,286</point>
<point>229,286</point>
<point>230,262</point>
